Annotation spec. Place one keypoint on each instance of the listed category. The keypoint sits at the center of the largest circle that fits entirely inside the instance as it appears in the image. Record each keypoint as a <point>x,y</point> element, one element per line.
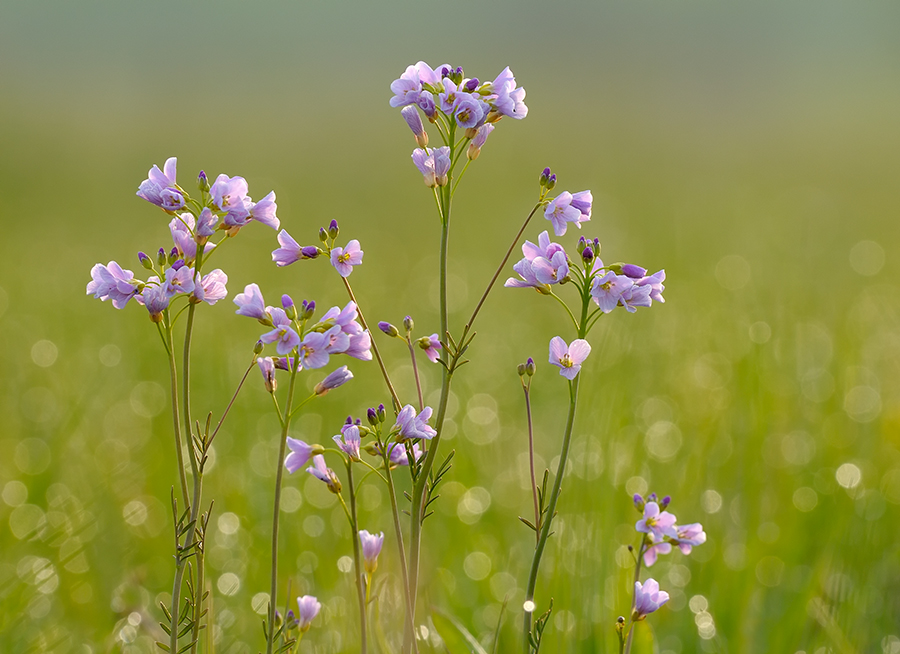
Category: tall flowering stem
<point>637,577</point>
<point>357,568</point>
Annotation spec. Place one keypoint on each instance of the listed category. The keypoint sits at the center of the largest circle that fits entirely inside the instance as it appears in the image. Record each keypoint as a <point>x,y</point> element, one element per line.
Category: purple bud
<point>633,271</point>
<point>335,379</point>
<point>472,84</point>
<point>145,261</point>
<point>665,502</point>
<point>178,265</point>
<point>349,420</point>
<point>202,182</point>
<point>529,367</point>
<point>551,182</point>
<point>286,301</point>
<point>161,257</point>
<point>414,120</point>
<point>323,235</point>
<point>651,497</point>
<point>372,416</point>
<point>445,71</point>
<point>638,502</point>
<point>587,254</point>
<point>545,176</point>
<point>309,308</point>
<point>309,252</point>
<point>333,229</point>
<point>258,348</point>
<point>408,324</point>
<point>382,414</point>
<point>173,254</point>
<point>388,329</point>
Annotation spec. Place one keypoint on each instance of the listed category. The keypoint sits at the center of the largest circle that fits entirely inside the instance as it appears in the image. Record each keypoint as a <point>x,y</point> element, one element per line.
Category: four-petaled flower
<point>411,425</point>
<point>343,259</point>
<point>299,455</point>
<point>655,522</point>
<point>322,472</point>
<point>568,358</point>
<point>647,599</point>
<point>371,547</point>
<point>283,334</point>
<point>349,441</point>
<point>309,609</point>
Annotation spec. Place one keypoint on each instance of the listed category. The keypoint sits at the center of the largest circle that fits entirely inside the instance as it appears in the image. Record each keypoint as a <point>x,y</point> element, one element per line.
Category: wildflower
<point>411,425</point>
<point>300,454</point>
<point>686,536</point>
<point>411,115</point>
<point>568,358</point>
<point>211,288</point>
<point>434,164</point>
<point>206,224</point>
<point>267,368</point>
<point>343,259</point>
<point>647,598</point>
<point>608,289</point>
<point>283,333</point>
<point>583,200</point>
<point>651,553</point>
<point>264,211</point>
<point>560,212</point>
<point>229,194</point>
<point>251,304</point>
<point>406,89</point>
<point>155,298</point>
<point>397,453</point>
<point>348,441</point>
<point>551,271</point>
<point>322,472</point>
<point>654,522</point>
<point>655,282</point>
<point>371,547</point>
<point>309,609</point>
<point>179,279</point>
<point>112,282</point>
<point>477,143</point>
<point>469,111</point>
<point>335,379</point>
<point>633,271</point>
<point>388,329</point>
<point>635,296</point>
<point>360,346</point>
<point>160,188</point>
<point>313,351</point>
<point>431,345</point>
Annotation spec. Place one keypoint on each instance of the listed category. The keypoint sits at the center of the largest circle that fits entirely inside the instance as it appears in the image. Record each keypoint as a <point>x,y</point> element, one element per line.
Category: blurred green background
<point>750,149</point>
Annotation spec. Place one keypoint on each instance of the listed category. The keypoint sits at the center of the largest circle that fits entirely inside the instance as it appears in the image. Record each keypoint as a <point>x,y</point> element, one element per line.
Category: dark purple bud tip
<point>202,176</point>
<point>665,501</point>
<point>547,172</point>
<point>290,615</point>
<point>323,234</point>
<point>309,252</point>
<point>472,84</point>
<point>529,367</point>
<point>286,301</point>
<point>651,497</point>
<point>142,257</point>
<point>161,257</point>
<point>178,265</point>
<point>587,254</point>
<point>258,348</point>
<point>551,182</point>
<point>308,309</point>
<point>408,324</point>
<point>388,329</point>
<point>382,414</point>
<point>333,229</point>
<point>638,502</point>
<point>633,271</point>
<point>372,416</point>
<point>349,420</point>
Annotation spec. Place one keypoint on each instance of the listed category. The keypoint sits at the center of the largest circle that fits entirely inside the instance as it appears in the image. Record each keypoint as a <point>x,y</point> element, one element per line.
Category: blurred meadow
<point>750,149</point>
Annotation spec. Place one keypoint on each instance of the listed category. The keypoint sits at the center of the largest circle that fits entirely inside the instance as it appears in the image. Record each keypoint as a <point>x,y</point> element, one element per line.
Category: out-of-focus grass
<point>752,153</point>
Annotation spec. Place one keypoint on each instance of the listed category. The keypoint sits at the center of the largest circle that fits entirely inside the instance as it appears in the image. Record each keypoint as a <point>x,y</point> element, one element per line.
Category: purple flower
<point>229,195</point>
<point>397,453</point>
<point>313,351</point>
<point>309,609</point>
<point>179,279</point>
<point>251,304</point>
<point>360,346</point>
<point>348,441</point>
<point>647,598</point>
<point>160,187</point>
<point>478,142</point>
<point>448,99</point>
<point>633,271</point>
<point>651,553</point>
<point>322,472</point>
<point>299,455</point>
<point>155,298</point>
<point>431,345</point>
<point>406,89</point>
<point>560,212</point>
<point>267,368</point>
<point>211,288</point>
<point>434,164</point>
<point>335,379</point>
<point>112,282</point>
<point>655,282</point>
<point>411,115</point>
<point>283,333</point>
<point>411,425</point>
<point>568,358</point>
<point>337,342</point>
<point>608,290</point>
<point>654,522</point>
<point>545,248</point>
<point>583,201</point>
<point>551,271</point>
<point>371,547</point>
<point>469,111</point>
<point>289,252</point>
<point>687,536</point>
<point>635,296</point>
<point>343,259</point>
<point>264,211</point>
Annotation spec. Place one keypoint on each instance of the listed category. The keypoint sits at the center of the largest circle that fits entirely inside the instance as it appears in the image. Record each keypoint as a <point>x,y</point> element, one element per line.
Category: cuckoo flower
<point>647,599</point>
<point>211,288</point>
<point>283,334</point>
<point>251,304</point>
<point>313,351</point>
<point>112,282</point>
<point>322,472</point>
<point>560,212</point>
<point>264,211</point>
<point>300,454</point>
<point>343,259</point>
<point>411,425</point>
<point>431,345</point>
<point>651,553</point>
<point>155,298</point>
<point>411,115</point>
<point>656,523</point>
<point>267,368</point>
<point>160,187</point>
<point>687,536</point>
<point>228,194</point>
<point>348,441</point>
<point>655,282</point>
<point>309,609</point>
<point>568,358</point>
<point>551,271</point>
<point>635,296</point>
<point>434,164</point>
<point>608,289</point>
<point>371,547</point>
<point>334,380</point>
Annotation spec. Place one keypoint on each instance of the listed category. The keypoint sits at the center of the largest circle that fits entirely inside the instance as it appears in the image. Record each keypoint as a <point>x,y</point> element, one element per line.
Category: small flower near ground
<point>309,609</point>
<point>568,358</point>
<point>411,425</point>
<point>371,547</point>
<point>647,599</point>
<point>431,345</point>
<point>343,259</point>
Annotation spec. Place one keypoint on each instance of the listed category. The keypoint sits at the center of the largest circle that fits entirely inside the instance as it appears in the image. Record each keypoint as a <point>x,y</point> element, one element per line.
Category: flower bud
<point>173,256</point>
<point>551,182</point>
<point>372,416</point>
<point>529,367</point>
<point>308,309</point>
<point>267,368</point>
<point>456,76</point>
<point>178,264</point>
<point>545,176</point>
<point>521,369</point>
<point>333,230</point>
<point>633,271</point>
<point>471,85</point>
<point>651,497</point>
<point>309,252</point>
<point>258,348</point>
<point>382,414</point>
<point>665,502</point>
<point>639,503</point>
<point>161,257</point>
<point>388,329</point>
<point>411,115</point>
<point>408,324</point>
<point>145,261</point>
<point>289,307</point>
<point>323,235</point>
<point>335,379</point>
<point>587,255</point>
<point>203,182</point>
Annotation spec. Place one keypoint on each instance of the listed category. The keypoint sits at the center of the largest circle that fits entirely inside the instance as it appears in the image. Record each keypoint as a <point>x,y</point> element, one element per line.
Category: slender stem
<point>637,578</point>
<point>233,398</point>
<point>401,550</point>
<point>534,490</point>
<point>384,371</point>
<point>354,534</point>
<point>551,509</point>
<point>412,355</point>
<point>285,425</point>
<point>566,307</point>
<point>176,417</point>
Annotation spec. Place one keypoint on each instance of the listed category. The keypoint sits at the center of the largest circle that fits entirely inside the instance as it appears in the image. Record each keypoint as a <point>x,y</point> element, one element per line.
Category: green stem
<point>534,490</point>
<point>285,425</point>
<point>176,417</point>
<point>354,534</point>
<point>551,510</point>
<point>412,355</point>
<point>637,578</point>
